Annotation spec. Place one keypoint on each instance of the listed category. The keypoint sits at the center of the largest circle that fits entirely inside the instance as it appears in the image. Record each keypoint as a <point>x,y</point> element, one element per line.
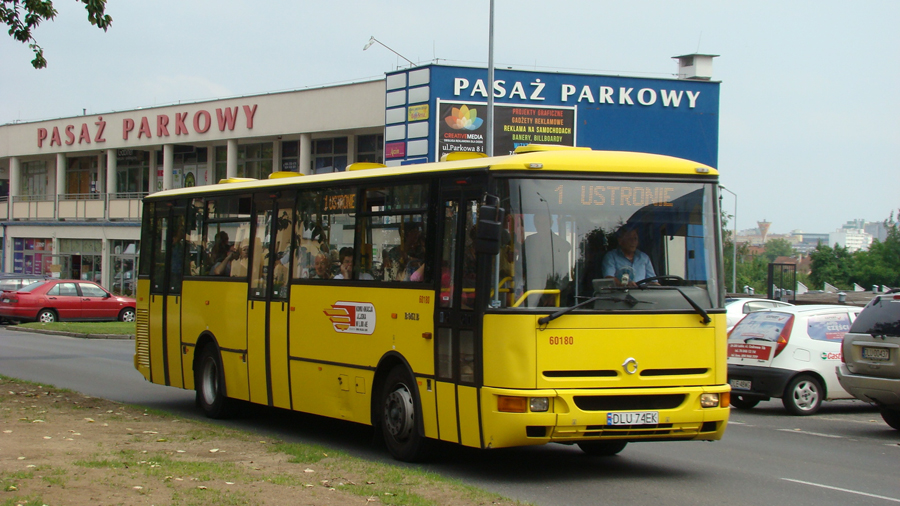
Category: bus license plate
<point>875,353</point>
<point>633,418</point>
<point>740,384</point>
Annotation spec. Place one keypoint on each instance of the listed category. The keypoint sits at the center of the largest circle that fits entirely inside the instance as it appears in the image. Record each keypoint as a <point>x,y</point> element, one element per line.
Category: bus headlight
<point>709,400</point>
<point>539,404</point>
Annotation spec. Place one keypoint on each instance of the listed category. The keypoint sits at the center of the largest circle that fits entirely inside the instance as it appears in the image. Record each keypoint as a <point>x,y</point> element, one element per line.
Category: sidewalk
<point>68,334</point>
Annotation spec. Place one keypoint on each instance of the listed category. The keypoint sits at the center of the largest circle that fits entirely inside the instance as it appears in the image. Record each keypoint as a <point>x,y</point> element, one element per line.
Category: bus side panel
<point>256,351</point>
<point>173,339</point>
<point>278,354</point>
<point>385,320</point>
<point>468,416</point>
<point>142,328</point>
<point>330,390</point>
<point>220,309</point>
<point>157,363</point>
<point>510,361</point>
<point>446,408</point>
<point>192,324</point>
<point>429,407</point>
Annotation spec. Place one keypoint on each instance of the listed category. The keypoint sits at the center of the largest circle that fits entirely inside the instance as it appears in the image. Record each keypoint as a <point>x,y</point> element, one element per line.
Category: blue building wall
<point>665,116</point>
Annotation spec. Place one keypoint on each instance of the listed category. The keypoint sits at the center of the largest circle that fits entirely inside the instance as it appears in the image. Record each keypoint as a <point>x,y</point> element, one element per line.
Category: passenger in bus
<point>322,267</point>
<point>220,255</point>
<point>346,266</point>
<point>390,264</point>
<point>627,264</point>
<point>240,260</point>
<point>412,257</point>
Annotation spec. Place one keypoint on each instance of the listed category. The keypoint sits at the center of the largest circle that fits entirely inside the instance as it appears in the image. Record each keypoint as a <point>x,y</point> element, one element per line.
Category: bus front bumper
<point>584,415</point>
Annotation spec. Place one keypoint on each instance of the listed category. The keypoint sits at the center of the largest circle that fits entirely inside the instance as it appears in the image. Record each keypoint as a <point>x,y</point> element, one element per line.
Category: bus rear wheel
<point>210,384</point>
<point>399,417</point>
<point>602,448</point>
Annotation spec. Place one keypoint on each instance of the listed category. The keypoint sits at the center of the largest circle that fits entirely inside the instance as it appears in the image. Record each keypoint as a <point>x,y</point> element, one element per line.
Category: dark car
<point>65,299</point>
<point>16,281</point>
<point>871,356</point>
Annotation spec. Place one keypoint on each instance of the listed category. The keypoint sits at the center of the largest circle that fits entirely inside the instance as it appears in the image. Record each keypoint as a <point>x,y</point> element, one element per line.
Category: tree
<point>778,248</point>
<point>22,16</point>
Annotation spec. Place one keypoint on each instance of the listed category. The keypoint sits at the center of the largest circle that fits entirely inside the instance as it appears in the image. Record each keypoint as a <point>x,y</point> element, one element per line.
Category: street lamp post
<point>733,243</point>
<point>373,40</point>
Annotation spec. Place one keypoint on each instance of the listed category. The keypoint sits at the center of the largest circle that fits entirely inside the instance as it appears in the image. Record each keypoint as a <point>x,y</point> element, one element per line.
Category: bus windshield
<point>566,241</point>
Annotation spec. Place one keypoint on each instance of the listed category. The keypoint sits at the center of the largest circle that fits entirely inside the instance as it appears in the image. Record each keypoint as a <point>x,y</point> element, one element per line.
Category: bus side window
<point>196,243</point>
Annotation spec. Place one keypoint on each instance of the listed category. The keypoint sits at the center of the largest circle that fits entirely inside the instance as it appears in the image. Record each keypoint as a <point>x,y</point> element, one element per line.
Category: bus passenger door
<point>267,310</point>
<point>457,349</point>
<point>165,295</point>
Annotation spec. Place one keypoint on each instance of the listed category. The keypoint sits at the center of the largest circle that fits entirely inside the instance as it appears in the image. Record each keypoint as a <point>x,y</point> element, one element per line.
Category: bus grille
<point>142,337</point>
<point>628,402</point>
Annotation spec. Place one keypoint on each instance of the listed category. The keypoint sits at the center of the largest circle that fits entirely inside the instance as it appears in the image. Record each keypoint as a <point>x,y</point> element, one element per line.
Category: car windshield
<point>567,241</point>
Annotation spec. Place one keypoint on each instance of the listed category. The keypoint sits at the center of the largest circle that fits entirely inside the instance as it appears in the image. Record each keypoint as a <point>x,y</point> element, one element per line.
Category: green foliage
<point>778,248</point>
<point>880,265</point>
<point>23,16</point>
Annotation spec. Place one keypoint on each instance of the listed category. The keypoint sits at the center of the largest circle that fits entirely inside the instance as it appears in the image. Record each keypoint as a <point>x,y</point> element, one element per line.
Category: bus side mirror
<point>490,226</point>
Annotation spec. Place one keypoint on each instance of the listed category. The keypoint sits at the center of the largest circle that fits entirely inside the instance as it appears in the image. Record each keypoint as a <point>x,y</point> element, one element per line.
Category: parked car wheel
<point>743,402</point>
<point>803,396</point>
<point>602,448</point>
<point>127,315</point>
<point>46,316</point>
<point>891,417</point>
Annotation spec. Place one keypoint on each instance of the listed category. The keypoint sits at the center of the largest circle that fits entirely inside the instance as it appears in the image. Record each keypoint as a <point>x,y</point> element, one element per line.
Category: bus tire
<point>209,380</point>
<point>602,448</point>
<point>400,411</point>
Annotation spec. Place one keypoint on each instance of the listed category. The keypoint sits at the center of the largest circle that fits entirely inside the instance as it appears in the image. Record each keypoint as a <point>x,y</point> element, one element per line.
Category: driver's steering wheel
<point>659,278</point>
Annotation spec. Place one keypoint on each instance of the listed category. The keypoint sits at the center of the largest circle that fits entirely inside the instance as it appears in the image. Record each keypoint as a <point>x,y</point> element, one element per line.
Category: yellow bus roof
<point>537,159</point>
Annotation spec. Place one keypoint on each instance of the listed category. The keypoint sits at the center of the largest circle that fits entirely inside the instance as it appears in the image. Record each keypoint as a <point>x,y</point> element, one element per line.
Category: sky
<point>809,117</point>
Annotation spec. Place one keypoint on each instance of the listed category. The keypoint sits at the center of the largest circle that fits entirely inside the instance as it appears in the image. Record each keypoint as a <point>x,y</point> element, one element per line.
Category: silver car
<point>871,356</point>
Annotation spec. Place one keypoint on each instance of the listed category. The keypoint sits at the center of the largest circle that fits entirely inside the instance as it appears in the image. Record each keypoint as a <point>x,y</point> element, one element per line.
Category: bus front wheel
<point>602,448</point>
<point>400,412</point>
<point>210,384</point>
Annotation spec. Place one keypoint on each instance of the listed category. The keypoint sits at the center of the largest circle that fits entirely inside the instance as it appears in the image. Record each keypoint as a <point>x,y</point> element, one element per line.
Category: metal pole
<point>489,139</point>
<point>733,244</point>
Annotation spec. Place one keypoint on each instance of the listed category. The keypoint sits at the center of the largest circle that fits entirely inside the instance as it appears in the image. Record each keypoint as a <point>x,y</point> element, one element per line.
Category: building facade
<point>75,184</point>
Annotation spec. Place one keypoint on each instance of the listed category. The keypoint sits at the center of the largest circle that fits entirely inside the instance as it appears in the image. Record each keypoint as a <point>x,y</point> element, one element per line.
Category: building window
<point>255,160</point>
<point>329,155</point>
<point>32,256</point>
<point>34,180</point>
<point>132,172</point>
<point>80,259</point>
<point>124,259</point>
<point>290,156</point>
<point>221,164</point>
<point>370,148</point>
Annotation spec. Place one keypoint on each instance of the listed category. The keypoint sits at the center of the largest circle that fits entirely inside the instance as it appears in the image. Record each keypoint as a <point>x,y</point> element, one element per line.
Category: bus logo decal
<point>352,317</point>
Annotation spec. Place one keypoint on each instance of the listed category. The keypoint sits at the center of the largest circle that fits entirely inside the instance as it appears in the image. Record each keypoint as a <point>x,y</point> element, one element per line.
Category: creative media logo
<point>352,317</point>
<point>463,118</point>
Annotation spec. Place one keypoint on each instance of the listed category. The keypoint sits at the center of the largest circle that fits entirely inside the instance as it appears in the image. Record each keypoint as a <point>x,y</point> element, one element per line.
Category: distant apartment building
<point>852,236</point>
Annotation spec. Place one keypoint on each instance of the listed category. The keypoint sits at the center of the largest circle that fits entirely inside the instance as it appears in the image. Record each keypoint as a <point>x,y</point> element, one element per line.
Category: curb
<point>69,334</point>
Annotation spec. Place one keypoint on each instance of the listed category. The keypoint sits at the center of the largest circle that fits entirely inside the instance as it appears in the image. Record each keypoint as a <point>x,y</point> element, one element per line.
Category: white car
<point>788,353</point>
<point>738,307</point>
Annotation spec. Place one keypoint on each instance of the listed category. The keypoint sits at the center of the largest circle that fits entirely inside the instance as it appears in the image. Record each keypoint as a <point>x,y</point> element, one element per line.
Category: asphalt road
<point>844,455</point>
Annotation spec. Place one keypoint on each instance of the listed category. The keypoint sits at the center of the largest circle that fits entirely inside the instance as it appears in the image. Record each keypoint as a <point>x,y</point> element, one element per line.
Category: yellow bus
<point>556,295</point>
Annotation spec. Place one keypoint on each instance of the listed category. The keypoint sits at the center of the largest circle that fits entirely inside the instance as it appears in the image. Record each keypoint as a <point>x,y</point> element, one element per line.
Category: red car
<point>65,299</point>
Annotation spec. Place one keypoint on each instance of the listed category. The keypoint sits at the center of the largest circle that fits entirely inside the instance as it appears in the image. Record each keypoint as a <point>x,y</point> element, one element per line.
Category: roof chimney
<point>695,66</point>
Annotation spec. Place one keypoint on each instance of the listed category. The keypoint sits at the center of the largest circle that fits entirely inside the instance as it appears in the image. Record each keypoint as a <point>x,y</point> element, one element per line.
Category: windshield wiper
<point>628,299</point>
<point>702,312</point>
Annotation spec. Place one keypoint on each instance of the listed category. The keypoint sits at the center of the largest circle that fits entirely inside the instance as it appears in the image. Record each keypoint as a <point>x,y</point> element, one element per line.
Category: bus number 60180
<point>562,340</point>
